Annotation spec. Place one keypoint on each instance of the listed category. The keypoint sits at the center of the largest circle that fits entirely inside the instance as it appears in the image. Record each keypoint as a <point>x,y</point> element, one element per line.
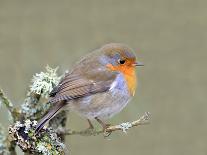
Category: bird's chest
<point>106,104</point>
<point>119,97</point>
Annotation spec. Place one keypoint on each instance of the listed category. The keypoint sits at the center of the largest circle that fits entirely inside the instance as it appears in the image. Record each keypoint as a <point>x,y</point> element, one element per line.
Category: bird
<point>99,86</point>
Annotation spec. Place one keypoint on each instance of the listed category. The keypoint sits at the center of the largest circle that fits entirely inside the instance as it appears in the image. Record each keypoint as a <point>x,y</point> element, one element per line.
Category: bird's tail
<point>49,115</point>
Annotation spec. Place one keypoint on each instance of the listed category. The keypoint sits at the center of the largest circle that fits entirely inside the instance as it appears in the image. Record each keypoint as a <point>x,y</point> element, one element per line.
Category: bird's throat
<point>129,75</point>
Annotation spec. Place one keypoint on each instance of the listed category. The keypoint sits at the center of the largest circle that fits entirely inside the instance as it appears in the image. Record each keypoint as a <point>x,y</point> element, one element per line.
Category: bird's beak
<point>138,64</point>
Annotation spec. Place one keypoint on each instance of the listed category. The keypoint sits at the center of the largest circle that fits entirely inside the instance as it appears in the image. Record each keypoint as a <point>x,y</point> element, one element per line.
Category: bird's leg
<point>103,124</point>
<point>90,124</point>
<point>90,129</point>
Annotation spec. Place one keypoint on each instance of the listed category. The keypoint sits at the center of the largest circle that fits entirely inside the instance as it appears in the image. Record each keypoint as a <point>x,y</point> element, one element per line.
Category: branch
<point>123,127</point>
<point>14,112</point>
<point>22,131</point>
<point>6,102</point>
<point>42,85</point>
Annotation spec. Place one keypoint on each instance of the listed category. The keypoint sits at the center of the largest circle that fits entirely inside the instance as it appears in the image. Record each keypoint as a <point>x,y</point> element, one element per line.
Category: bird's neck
<point>129,75</point>
<point>131,80</point>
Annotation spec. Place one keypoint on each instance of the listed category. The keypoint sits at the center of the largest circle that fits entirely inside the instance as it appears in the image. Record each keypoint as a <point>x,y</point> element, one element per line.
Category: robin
<point>98,87</point>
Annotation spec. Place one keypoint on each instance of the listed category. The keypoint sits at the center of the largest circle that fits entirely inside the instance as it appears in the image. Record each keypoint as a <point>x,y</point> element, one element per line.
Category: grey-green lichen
<point>125,126</point>
<point>43,82</point>
<point>22,132</point>
<point>33,110</point>
<point>46,142</point>
<point>2,141</point>
<point>42,85</point>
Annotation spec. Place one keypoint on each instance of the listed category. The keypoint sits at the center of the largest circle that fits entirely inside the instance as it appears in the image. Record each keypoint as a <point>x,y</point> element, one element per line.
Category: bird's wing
<point>76,86</point>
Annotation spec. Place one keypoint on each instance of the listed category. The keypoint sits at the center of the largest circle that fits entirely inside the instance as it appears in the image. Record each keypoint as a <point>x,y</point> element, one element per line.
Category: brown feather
<point>79,88</point>
<point>49,115</point>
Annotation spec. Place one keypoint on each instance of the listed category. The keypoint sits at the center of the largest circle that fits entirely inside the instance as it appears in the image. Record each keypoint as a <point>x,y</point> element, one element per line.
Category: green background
<point>169,36</point>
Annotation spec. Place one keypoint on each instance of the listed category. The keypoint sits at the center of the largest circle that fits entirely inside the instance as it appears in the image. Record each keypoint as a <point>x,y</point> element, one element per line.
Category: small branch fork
<point>121,127</point>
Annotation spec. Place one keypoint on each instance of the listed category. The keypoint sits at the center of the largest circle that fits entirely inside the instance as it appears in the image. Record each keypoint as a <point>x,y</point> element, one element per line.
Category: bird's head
<point>121,58</point>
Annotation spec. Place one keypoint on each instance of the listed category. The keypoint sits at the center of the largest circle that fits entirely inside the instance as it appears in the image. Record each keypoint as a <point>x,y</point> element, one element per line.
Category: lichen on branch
<point>2,141</point>
<point>42,85</point>
<point>45,142</point>
<point>43,82</point>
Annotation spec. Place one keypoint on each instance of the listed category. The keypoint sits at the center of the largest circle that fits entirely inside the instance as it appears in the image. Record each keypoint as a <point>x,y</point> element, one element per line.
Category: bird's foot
<point>105,126</point>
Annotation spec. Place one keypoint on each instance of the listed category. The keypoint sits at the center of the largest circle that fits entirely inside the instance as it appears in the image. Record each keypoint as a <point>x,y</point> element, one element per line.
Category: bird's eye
<point>121,61</point>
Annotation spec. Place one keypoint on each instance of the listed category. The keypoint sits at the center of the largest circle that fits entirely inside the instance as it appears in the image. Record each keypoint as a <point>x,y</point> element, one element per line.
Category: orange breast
<point>129,75</point>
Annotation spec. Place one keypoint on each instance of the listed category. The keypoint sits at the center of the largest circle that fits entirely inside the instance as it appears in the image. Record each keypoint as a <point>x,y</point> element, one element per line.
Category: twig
<point>14,112</point>
<point>6,101</point>
<point>123,127</point>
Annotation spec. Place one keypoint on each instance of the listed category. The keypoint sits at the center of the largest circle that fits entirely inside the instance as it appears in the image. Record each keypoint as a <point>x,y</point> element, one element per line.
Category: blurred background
<point>169,36</point>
